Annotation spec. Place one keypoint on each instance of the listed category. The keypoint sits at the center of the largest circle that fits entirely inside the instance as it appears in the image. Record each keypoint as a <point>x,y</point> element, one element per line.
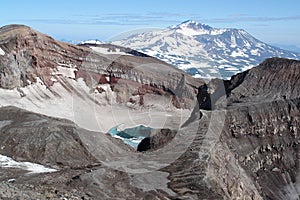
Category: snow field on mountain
<point>200,49</point>
<point>2,53</point>
<point>7,162</point>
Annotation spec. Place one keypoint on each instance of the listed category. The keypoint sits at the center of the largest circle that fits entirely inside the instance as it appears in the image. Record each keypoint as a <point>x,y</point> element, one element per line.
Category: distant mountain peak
<point>194,25</point>
<point>192,28</point>
<point>205,51</point>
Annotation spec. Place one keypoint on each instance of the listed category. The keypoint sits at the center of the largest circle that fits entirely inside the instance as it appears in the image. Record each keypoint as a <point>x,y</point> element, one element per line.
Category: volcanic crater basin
<point>241,141</point>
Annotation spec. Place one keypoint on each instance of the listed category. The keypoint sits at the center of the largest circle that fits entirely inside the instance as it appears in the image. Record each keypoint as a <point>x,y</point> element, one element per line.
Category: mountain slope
<point>249,146</point>
<point>246,149</point>
<point>87,84</point>
<point>204,51</point>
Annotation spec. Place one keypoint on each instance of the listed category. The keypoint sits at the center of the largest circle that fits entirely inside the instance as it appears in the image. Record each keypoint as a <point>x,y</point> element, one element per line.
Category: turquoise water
<point>131,136</point>
<point>113,131</point>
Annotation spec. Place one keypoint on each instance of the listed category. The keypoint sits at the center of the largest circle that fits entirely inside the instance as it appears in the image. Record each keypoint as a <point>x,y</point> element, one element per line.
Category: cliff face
<point>262,127</point>
<point>265,139</point>
<point>30,55</point>
<point>90,85</point>
<point>275,78</point>
<point>246,143</point>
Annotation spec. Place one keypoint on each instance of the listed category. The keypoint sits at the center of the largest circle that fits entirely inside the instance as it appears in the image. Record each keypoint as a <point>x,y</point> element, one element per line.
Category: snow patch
<point>7,162</point>
<point>231,69</point>
<point>65,71</point>
<point>255,52</point>
<point>218,31</point>
<point>213,70</point>
<point>108,51</point>
<point>239,53</point>
<point>192,32</point>
<point>105,87</point>
<point>92,42</point>
<point>233,41</point>
<point>2,53</point>
<point>247,67</point>
<point>206,76</point>
<point>53,79</point>
<point>219,43</point>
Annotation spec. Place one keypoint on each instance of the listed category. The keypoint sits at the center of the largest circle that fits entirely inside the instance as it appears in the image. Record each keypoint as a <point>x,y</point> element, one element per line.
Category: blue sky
<point>272,21</point>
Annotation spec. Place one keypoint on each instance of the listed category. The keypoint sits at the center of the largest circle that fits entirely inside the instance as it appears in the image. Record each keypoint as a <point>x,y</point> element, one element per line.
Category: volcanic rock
<point>30,55</point>
<point>249,148</point>
<point>241,141</point>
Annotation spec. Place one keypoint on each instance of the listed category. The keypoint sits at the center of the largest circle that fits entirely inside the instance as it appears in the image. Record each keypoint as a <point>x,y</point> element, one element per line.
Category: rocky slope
<point>43,75</point>
<point>253,150</point>
<point>56,143</point>
<point>264,117</point>
<point>247,148</point>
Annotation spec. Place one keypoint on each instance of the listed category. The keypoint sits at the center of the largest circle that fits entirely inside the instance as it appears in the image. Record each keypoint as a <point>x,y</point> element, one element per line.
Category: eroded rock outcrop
<point>252,151</point>
<point>32,57</point>
<point>157,139</point>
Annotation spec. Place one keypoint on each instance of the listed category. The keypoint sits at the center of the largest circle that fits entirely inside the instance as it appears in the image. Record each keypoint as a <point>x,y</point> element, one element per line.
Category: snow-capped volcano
<point>192,28</point>
<point>204,51</point>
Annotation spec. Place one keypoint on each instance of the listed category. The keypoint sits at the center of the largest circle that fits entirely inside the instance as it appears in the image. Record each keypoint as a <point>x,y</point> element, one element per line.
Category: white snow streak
<point>108,51</point>
<point>92,42</point>
<point>65,71</point>
<point>7,162</point>
<point>2,53</point>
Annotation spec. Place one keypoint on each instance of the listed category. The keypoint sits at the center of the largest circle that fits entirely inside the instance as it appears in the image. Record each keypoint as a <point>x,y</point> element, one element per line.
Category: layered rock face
<point>248,147</point>
<point>264,137</point>
<point>262,127</point>
<point>275,78</point>
<point>90,84</point>
<point>30,55</point>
